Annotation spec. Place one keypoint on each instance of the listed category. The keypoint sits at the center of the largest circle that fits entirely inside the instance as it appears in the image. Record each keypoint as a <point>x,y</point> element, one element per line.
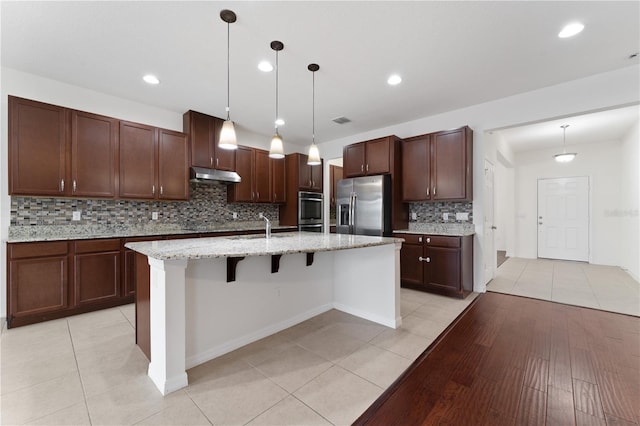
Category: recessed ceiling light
<point>571,29</point>
<point>279,122</point>
<point>151,79</point>
<point>394,79</point>
<point>265,66</point>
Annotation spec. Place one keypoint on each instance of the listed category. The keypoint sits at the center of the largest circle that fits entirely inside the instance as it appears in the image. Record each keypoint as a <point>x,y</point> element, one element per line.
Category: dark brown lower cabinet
<point>96,265</point>
<point>49,280</point>
<point>438,264</point>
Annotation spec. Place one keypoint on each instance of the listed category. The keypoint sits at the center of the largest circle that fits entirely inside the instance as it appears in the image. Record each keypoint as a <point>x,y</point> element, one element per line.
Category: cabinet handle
<point>434,191</point>
<point>153,189</point>
<point>74,185</point>
<point>161,190</point>
<point>427,191</point>
<point>367,168</point>
<point>362,167</point>
<point>257,195</point>
<point>217,162</point>
<point>428,240</point>
<point>419,239</point>
<point>424,259</point>
<point>61,185</point>
<point>211,161</point>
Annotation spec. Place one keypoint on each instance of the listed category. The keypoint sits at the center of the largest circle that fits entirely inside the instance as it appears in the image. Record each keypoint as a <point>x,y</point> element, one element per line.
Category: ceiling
<point>603,126</point>
<point>449,54</point>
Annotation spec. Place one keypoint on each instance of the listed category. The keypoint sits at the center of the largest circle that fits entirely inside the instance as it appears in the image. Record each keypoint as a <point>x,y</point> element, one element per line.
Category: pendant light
<point>314,153</point>
<point>276,150</point>
<point>565,157</point>
<point>228,133</point>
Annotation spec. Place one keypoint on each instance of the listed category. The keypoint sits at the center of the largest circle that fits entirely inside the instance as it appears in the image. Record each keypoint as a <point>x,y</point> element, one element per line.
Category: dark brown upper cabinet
<point>368,158</point>
<point>204,134</point>
<point>278,180</point>
<point>335,174</point>
<point>438,166</point>
<point>153,163</point>
<point>254,168</point>
<point>309,177</point>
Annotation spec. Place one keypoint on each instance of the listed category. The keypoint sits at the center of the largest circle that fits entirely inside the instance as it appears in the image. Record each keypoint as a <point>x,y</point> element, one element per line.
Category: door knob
<point>493,227</point>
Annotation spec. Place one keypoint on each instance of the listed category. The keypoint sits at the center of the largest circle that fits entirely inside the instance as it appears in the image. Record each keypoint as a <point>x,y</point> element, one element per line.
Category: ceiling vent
<point>341,120</point>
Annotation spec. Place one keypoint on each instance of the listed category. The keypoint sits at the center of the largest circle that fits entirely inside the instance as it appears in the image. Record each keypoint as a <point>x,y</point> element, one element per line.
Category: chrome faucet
<point>267,225</point>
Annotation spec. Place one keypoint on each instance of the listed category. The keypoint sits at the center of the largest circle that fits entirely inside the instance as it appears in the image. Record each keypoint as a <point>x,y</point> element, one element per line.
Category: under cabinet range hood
<point>204,175</point>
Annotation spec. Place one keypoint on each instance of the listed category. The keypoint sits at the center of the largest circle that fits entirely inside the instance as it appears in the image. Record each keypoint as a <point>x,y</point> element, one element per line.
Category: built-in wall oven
<point>310,211</point>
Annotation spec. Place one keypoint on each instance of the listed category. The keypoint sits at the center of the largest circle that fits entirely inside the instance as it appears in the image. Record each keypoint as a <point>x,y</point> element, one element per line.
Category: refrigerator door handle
<point>352,212</point>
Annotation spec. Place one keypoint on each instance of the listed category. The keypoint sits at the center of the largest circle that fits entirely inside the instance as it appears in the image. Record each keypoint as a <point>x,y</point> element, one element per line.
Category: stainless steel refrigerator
<point>363,206</point>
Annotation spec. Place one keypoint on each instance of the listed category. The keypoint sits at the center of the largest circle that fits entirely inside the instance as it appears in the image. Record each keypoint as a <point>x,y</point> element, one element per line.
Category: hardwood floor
<point>513,360</point>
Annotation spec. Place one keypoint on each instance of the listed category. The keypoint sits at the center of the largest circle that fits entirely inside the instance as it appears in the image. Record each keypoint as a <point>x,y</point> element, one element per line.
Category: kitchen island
<point>210,296</point>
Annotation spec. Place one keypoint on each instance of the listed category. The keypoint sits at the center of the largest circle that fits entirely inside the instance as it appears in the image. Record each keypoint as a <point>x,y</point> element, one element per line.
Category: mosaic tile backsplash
<point>432,212</point>
<point>207,204</point>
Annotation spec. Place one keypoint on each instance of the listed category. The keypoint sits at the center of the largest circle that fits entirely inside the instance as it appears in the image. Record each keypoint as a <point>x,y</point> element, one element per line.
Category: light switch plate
<point>445,216</point>
<point>77,215</point>
<point>462,216</point>
<point>414,216</point>
<point>154,215</point>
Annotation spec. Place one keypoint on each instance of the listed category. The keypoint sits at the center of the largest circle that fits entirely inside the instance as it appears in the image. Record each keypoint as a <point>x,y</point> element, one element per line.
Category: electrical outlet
<point>462,216</point>
<point>260,215</point>
<point>77,215</point>
<point>235,215</point>
<point>154,215</point>
<point>414,216</point>
<point>445,216</point>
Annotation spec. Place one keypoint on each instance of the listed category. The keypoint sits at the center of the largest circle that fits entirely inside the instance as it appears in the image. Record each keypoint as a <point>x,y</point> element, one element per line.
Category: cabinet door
<point>449,162</point>
<point>278,180</point>
<point>225,159</point>
<point>415,169</point>
<point>262,176</point>
<point>96,277</point>
<point>243,192</point>
<point>38,148</point>
<point>37,286</point>
<point>377,157</point>
<point>411,269</point>
<point>353,160</point>
<point>335,175</point>
<point>173,165</point>
<point>94,155</point>
<point>442,268</point>
<point>304,172</point>
<point>201,133</point>
<point>137,161</point>
<point>316,178</point>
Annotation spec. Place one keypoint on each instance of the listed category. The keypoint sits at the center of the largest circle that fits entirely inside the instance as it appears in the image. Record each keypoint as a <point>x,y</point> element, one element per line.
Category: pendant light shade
<point>276,149</point>
<point>228,138</point>
<point>314,152</point>
<point>565,157</point>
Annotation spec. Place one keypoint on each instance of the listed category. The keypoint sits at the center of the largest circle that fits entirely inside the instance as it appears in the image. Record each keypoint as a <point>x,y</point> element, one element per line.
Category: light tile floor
<point>87,369</point>
<point>608,288</point>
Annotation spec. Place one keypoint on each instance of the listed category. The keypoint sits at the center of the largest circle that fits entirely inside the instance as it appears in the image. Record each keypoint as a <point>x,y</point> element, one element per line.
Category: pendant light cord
<point>228,74</point>
<point>313,108</point>
<point>277,73</point>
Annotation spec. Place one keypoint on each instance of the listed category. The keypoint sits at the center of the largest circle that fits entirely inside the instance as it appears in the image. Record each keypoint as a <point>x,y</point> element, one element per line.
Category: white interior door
<point>489,224</point>
<point>563,218</point>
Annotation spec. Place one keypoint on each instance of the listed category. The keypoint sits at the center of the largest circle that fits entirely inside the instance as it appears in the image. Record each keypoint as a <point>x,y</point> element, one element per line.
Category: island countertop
<point>255,245</point>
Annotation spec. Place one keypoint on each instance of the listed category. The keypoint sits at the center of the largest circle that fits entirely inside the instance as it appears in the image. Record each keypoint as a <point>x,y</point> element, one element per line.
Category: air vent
<point>341,120</point>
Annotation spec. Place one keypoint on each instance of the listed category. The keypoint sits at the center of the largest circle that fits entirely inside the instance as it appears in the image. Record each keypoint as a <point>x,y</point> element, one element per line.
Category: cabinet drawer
<point>410,238</point>
<point>25,250</point>
<point>440,241</point>
<point>94,246</point>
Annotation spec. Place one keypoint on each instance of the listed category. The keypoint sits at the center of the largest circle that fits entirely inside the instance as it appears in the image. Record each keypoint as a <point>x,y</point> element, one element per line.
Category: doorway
<point>489,224</point>
<point>563,218</point>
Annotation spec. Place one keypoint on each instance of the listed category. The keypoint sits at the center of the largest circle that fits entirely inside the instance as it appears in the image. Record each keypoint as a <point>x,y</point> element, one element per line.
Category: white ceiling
<point>450,54</point>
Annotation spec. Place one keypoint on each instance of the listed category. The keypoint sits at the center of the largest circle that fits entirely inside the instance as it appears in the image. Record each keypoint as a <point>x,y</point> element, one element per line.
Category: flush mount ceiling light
<point>276,150</point>
<point>571,29</point>
<point>265,66</point>
<point>314,152</point>
<point>228,133</point>
<point>394,79</point>
<point>151,79</point>
<point>565,157</point>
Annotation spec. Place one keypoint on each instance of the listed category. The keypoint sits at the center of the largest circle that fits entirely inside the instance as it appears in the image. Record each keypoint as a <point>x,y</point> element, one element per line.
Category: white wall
<point>505,202</point>
<point>599,161</point>
<point>604,90</point>
<point>629,202</point>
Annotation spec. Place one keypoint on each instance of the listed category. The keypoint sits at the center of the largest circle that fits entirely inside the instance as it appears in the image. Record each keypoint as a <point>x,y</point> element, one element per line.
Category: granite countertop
<point>20,234</point>
<point>448,229</point>
<point>255,245</point>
